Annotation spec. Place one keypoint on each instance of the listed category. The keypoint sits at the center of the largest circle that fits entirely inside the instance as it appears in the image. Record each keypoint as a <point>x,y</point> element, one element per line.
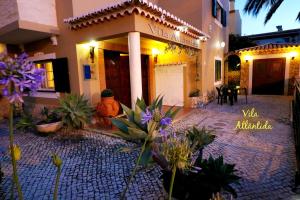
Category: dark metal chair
<point>222,95</point>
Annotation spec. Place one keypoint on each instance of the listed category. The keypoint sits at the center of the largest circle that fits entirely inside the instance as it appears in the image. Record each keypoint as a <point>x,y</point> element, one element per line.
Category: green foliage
<point>239,42</point>
<point>195,93</point>
<point>75,111</point>
<point>107,93</point>
<point>132,127</point>
<point>25,123</point>
<point>216,175</point>
<point>49,116</point>
<point>199,138</point>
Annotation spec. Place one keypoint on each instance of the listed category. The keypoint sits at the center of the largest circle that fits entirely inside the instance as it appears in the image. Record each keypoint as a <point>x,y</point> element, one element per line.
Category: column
<point>134,49</point>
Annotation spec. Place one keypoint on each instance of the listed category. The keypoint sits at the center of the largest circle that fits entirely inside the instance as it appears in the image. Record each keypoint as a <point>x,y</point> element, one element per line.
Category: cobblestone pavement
<point>265,159</point>
<point>94,168</point>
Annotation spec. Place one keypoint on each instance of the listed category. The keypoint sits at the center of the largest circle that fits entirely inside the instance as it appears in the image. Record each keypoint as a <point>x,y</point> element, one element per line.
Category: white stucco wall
<point>9,12</point>
<point>38,11</point>
<point>235,23</point>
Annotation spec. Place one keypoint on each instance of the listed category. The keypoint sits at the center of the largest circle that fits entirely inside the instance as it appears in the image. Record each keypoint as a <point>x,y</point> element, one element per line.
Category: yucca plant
<point>75,111</point>
<point>144,124</point>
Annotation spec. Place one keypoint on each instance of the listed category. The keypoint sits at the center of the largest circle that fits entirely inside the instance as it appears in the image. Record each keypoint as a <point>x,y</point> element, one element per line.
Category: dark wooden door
<point>145,77</point>
<point>268,76</point>
<point>118,76</point>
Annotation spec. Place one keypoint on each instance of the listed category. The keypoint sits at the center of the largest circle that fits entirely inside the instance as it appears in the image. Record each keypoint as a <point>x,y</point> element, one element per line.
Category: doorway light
<point>293,54</point>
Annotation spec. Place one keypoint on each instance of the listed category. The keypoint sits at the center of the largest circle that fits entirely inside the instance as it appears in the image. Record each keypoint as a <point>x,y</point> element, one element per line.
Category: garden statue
<point>108,107</point>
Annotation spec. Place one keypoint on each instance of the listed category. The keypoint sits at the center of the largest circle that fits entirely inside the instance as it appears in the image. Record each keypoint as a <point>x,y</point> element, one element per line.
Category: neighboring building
<point>128,46</point>
<point>235,21</point>
<point>270,69</point>
<point>278,37</point>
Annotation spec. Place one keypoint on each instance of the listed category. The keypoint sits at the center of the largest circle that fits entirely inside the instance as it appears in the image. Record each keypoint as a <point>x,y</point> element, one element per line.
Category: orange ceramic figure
<point>108,107</point>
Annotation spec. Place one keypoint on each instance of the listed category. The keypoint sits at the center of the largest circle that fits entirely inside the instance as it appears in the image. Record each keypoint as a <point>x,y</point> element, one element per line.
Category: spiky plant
<point>75,110</point>
<point>199,138</point>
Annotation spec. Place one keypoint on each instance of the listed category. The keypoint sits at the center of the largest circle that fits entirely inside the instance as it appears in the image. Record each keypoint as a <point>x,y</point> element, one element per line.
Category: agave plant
<point>144,124</point>
<point>75,111</point>
<point>216,175</point>
<point>199,138</point>
<point>25,123</point>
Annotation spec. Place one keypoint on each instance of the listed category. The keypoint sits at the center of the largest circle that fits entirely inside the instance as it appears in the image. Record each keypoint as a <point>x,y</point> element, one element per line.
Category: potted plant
<point>51,121</point>
<point>195,98</point>
<point>108,107</point>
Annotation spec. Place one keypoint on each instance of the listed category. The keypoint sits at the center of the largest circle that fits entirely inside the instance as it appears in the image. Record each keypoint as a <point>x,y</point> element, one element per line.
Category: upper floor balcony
<point>23,21</point>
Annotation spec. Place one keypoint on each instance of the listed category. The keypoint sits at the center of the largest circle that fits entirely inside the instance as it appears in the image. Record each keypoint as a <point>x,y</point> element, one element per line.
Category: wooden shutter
<point>224,17</point>
<point>61,75</point>
<point>214,8</point>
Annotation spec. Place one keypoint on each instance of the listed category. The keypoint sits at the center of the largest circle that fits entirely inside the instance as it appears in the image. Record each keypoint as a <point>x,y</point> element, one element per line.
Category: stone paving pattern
<point>94,168</point>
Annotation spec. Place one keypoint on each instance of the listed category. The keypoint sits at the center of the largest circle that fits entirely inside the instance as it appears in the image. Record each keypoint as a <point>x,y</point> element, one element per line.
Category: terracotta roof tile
<point>127,7</point>
<point>269,47</point>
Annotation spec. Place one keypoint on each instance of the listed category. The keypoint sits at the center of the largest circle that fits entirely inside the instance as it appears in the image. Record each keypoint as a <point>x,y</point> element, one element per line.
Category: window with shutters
<point>218,70</point>
<point>49,75</point>
<point>219,13</point>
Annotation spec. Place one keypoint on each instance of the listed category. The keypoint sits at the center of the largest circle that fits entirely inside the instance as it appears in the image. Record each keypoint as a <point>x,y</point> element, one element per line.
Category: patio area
<point>93,167</point>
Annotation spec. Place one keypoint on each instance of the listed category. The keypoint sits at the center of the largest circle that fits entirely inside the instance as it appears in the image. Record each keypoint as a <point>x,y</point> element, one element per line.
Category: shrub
<point>107,93</point>
<point>25,123</point>
<point>49,116</point>
<point>75,111</point>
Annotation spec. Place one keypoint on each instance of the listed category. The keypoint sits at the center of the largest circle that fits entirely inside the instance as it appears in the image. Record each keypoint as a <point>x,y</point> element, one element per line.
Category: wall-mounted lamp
<point>155,53</point>
<point>222,44</point>
<point>92,45</point>
<point>293,54</point>
<point>247,58</point>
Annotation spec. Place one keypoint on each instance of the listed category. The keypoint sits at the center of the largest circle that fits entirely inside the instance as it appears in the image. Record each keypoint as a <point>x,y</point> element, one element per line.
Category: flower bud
<point>17,152</point>
<point>56,160</point>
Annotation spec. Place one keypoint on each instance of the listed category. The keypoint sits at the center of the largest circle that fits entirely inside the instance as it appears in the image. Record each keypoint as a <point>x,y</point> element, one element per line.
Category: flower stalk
<point>135,169</point>
<point>172,182</point>
<point>57,162</point>
<point>12,153</point>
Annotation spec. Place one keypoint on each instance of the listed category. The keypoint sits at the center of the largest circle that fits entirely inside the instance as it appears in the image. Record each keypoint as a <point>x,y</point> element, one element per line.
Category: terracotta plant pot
<point>49,128</point>
<point>108,107</point>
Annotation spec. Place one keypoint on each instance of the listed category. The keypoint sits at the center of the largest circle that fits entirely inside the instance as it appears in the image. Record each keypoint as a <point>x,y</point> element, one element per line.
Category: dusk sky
<point>284,16</point>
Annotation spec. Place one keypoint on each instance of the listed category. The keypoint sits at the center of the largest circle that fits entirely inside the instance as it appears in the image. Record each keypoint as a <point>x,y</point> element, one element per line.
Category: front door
<point>268,76</point>
<point>117,75</point>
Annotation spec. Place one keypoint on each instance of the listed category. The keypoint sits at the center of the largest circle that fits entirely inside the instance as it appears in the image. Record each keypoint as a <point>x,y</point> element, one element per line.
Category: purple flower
<point>5,92</point>
<point>146,116</point>
<point>165,121</point>
<point>22,74</point>
<point>162,132</point>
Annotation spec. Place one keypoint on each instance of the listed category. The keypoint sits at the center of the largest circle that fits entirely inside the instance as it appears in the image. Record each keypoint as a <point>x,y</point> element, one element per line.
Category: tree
<point>254,7</point>
<point>239,42</point>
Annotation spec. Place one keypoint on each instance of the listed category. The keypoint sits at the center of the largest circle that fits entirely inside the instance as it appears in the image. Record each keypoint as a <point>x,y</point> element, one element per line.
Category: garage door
<point>169,83</point>
<point>268,76</point>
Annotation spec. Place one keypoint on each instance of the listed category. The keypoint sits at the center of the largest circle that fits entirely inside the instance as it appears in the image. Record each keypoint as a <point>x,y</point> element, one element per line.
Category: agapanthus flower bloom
<point>165,121</point>
<point>146,116</point>
<point>18,75</point>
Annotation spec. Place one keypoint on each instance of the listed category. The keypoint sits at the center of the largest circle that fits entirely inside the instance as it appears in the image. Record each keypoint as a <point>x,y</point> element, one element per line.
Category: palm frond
<point>298,17</point>
<point>272,10</point>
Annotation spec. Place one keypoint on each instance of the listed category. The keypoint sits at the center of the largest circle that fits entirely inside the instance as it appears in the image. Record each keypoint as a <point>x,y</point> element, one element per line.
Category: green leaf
<point>146,156</point>
<point>120,124</point>
<point>137,133</point>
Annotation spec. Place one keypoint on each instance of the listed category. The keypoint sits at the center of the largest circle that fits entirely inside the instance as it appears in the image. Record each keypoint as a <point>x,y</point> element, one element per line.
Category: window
<point>49,75</point>
<point>219,13</point>
<point>218,70</point>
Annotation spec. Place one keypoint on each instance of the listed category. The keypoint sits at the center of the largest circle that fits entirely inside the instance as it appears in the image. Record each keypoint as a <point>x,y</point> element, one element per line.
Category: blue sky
<point>285,16</point>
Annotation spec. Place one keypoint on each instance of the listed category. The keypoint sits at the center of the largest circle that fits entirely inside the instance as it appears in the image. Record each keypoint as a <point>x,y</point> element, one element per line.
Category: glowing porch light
<point>177,33</point>
<point>293,54</point>
<point>222,44</point>
<point>247,58</point>
<point>93,43</point>
<point>155,51</point>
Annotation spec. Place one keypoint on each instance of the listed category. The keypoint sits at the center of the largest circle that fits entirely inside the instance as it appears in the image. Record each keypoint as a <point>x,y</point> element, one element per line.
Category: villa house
<point>134,47</point>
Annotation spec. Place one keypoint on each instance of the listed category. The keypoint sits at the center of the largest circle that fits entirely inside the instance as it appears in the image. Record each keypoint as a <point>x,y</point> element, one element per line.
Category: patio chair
<point>221,95</point>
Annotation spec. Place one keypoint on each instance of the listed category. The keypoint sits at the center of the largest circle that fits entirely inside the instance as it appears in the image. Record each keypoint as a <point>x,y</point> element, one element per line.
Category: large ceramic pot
<point>49,128</point>
<point>108,107</point>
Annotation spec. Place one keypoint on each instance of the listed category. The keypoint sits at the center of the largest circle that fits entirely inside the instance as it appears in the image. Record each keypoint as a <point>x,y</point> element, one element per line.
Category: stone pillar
<point>134,49</point>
